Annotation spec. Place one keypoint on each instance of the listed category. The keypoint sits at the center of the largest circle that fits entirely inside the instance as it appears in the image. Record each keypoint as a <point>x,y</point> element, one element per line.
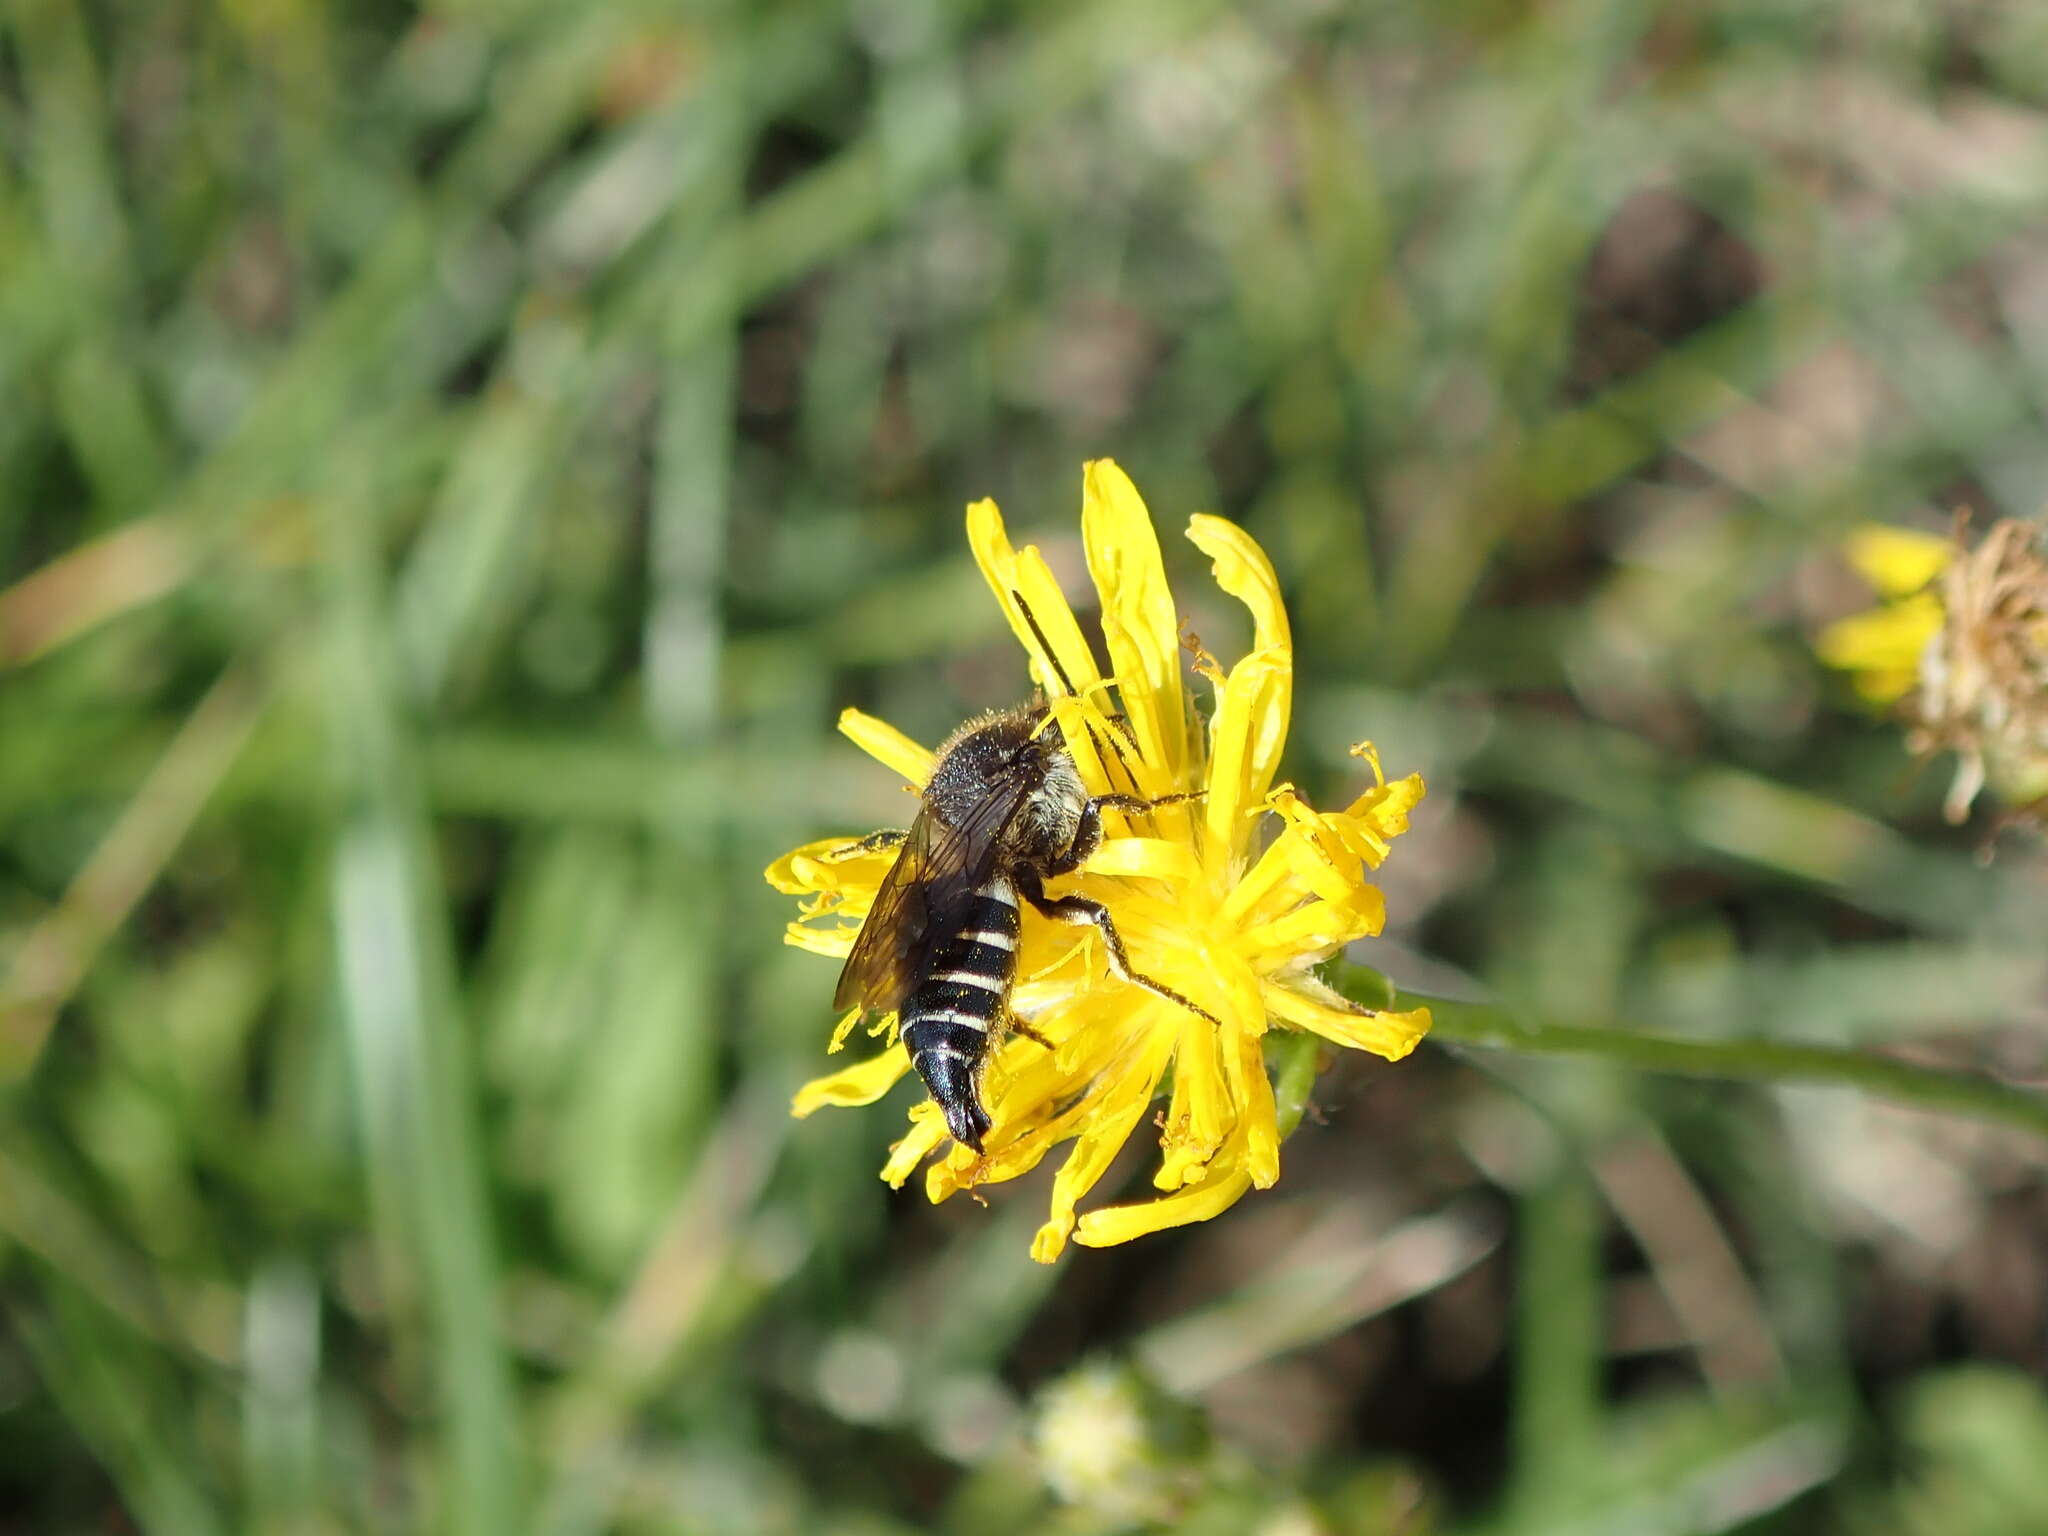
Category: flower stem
<point>1495,1028</point>
<point>1295,1055</point>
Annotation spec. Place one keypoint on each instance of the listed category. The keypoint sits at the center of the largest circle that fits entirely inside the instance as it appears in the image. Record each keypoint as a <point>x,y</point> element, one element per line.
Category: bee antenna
<point>1044,645</point>
<point>1052,659</point>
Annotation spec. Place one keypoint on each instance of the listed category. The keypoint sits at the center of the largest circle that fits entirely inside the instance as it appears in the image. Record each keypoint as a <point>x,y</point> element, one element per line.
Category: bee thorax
<point>1050,820</point>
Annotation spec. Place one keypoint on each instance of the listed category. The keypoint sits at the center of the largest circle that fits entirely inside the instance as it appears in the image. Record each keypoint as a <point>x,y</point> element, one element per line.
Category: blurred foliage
<point>456,462</point>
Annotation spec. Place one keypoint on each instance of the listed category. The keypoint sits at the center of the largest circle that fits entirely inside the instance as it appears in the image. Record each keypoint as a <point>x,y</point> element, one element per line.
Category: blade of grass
<point>134,565</point>
<point>122,1398</point>
<point>54,955</point>
<point>1309,1293</point>
<point>412,1076</point>
<point>1492,1027</point>
<point>1555,1416</point>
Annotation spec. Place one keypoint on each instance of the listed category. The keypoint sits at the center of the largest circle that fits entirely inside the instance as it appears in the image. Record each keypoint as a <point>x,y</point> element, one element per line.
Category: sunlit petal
<point>1259,1119</point>
<point>1050,634</point>
<point>1896,561</point>
<point>1320,926</point>
<point>1138,621</point>
<point>1223,1186</point>
<point>1146,858</point>
<point>862,1083</point>
<point>835,942</point>
<point>1889,639</point>
<point>886,745</point>
<point>1383,1031</point>
<point>1378,816</point>
<point>1201,1113</point>
<point>1039,616</point>
<point>1243,570</point>
<point>1259,697</point>
<point>926,1134</point>
<point>1121,1107</point>
<point>1250,706</point>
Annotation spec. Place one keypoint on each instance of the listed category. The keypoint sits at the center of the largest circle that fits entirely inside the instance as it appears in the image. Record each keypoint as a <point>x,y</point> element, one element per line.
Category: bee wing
<point>939,868</point>
<point>878,972</point>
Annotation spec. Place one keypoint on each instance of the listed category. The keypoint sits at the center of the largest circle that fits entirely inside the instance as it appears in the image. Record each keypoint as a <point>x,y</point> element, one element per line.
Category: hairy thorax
<point>1000,749</point>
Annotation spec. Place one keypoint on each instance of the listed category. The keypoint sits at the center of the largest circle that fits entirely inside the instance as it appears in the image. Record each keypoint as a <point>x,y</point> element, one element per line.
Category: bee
<point>1003,812</point>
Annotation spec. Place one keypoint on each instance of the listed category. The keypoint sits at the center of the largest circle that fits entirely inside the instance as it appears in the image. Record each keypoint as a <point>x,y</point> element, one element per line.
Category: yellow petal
<point>1109,1126</point>
<point>1245,740</point>
<point>1378,816</point>
<point>1112,1014</point>
<point>1263,881</point>
<point>1885,686</point>
<point>1897,561</point>
<point>1317,927</point>
<point>835,864</point>
<point>1183,1155</point>
<point>1095,739</point>
<point>1316,854</point>
<point>862,1083</point>
<point>1329,854</point>
<point>1383,1032</point>
<point>1050,635</point>
<point>1200,1116</point>
<point>887,745</point>
<point>1887,639</point>
<point>1012,1160</point>
<point>784,874</point>
<point>1222,1187</point>
<point>927,1130</point>
<point>1148,858</point>
<point>1031,1095</point>
<point>1242,569</point>
<point>1257,1118</point>
<point>834,943</point>
<point>1236,985</point>
<point>1138,621</point>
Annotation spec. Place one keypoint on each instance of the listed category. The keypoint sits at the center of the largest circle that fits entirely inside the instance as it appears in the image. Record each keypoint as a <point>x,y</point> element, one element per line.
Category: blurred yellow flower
<point>1881,648</point>
<point>1110,1442</point>
<point>1961,646</point>
<point>1234,927</point>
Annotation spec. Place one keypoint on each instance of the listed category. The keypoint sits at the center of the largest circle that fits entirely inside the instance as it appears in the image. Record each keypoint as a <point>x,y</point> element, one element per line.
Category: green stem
<point>1494,1028</point>
<point>1294,1057</point>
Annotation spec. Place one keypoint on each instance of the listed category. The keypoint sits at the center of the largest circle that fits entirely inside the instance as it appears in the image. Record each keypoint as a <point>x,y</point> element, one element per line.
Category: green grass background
<point>455,462</point>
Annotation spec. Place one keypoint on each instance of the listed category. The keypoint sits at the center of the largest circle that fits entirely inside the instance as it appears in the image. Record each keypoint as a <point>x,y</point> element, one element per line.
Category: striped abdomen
<point>953,1014</point>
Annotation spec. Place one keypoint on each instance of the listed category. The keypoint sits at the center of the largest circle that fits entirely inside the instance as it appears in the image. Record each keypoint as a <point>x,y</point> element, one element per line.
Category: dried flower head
<point>1112,1443</point>
<point>1961,645</point>
<point>1234,926</point>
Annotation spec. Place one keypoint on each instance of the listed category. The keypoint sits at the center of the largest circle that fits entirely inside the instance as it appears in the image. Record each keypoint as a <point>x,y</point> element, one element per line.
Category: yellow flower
<point>1201,906</point>
<point>1882,647</point>
<point>1961,646</point>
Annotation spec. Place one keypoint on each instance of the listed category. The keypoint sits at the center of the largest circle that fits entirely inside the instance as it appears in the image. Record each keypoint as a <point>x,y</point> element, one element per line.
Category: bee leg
<point>1018,1026</point>
<point>888,837</point>
<point>1079,909</point>
<point>1139,803</point>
